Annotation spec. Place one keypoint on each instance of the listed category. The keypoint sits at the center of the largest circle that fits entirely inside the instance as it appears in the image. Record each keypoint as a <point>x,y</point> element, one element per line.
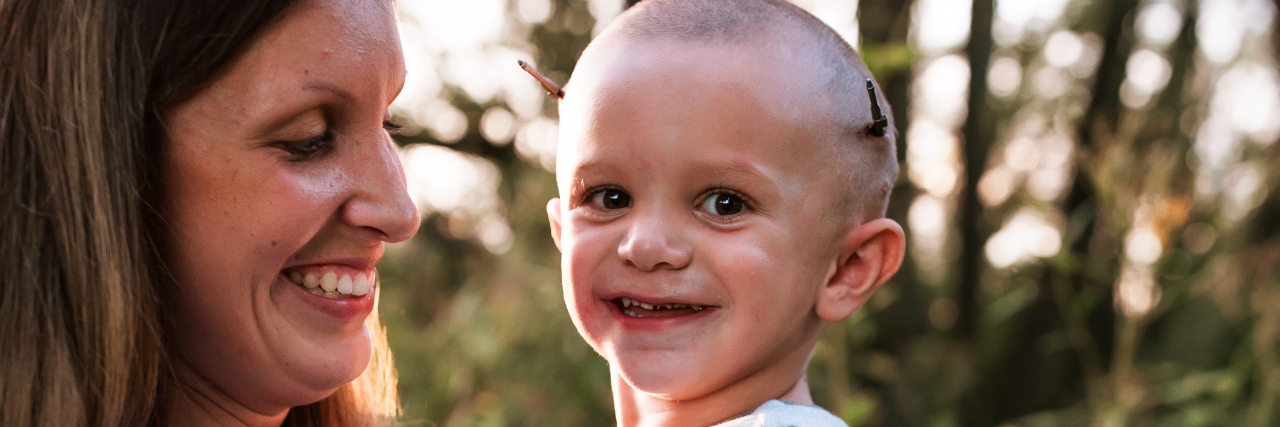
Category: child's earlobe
<point>553,216</point>
<point>871,253</point>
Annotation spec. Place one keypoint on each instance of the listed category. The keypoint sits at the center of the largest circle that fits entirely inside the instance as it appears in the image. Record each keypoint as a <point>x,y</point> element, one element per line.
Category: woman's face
<point>280,187</point>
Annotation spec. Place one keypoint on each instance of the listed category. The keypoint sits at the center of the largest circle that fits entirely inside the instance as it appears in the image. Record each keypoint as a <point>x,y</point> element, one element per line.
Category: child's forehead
<point>766,63</point>
<point>769,73</point>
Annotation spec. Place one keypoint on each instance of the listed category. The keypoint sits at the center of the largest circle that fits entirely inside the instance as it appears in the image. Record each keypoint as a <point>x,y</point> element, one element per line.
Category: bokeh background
<point>1088,188</point>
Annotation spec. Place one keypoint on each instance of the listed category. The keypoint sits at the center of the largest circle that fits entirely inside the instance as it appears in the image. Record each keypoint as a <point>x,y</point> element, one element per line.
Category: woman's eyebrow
<point>328,88</point>
<point>294,109</point>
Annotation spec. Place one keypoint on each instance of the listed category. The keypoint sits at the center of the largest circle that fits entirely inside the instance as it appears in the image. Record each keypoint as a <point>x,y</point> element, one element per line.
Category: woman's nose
<point>381,201</point>
<point>654,243</point>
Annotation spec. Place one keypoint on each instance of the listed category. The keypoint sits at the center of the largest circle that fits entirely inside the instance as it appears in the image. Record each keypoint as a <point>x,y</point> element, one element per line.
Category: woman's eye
<point>723,204</point>
<point>309,147</point>
<point>392,127</point>
<point>611,199</point>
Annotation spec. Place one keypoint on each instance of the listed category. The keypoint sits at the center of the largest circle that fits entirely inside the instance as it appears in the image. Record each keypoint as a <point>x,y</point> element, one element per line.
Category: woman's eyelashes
<point>308,148</point>
<point>392,127</point>
<point>321,144</point>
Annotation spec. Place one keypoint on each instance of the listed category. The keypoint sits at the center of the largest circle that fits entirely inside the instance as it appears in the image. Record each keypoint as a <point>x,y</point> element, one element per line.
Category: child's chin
<point>673,381</point>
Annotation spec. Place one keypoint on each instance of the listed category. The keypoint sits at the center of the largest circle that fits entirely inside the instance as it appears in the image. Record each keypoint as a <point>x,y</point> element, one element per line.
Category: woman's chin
<point>323,375</point>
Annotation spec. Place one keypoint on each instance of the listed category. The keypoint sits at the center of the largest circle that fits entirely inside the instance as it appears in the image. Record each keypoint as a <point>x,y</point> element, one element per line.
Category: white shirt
<point>778,413</point>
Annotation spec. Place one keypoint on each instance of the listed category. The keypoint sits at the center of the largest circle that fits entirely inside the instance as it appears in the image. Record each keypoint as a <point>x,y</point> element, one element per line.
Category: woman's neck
<point>197,403</point>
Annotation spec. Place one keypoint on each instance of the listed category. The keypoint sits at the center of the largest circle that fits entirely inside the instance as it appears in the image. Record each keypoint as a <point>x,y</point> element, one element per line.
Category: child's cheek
<point>585,266</point>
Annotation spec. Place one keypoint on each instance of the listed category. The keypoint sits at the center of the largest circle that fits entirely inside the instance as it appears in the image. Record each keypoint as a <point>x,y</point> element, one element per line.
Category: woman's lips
<point>332,281</point>
<point>335,305</point>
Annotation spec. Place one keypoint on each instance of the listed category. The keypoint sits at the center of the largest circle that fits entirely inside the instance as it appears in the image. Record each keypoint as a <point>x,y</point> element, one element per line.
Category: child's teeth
<point>296,278</point>
<point>317,292</point>
<point>646,306</point>
<point>329,282</point>
<point>311,281</point>
<point>360,286</point>
<point>344,285</point>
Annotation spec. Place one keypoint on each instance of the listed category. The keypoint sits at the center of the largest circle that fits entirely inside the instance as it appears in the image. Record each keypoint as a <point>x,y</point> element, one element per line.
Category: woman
<point>195,194</point>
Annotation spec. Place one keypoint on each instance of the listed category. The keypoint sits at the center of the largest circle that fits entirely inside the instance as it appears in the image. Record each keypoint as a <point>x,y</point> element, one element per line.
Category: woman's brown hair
<point>83,84</point>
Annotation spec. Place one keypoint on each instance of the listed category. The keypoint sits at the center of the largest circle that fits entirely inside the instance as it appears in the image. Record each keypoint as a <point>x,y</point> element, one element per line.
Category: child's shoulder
<point>778,413</point>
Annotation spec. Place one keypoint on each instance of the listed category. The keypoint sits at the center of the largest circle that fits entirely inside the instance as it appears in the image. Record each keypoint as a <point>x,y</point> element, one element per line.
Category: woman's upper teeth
<point>331,284</point>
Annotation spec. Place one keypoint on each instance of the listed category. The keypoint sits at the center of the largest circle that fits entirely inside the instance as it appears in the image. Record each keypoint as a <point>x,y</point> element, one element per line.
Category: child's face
<point>693,176</point>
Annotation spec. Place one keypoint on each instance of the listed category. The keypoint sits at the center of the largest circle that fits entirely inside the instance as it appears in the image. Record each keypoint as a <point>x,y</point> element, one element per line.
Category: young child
<point>722,194</point>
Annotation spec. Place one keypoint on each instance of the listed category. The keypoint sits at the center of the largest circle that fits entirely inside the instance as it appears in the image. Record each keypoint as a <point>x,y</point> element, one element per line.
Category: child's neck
<point>635,408</point>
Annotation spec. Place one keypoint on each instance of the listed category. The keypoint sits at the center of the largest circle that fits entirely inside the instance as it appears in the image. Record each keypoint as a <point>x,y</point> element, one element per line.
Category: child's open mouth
<point>633,308</point>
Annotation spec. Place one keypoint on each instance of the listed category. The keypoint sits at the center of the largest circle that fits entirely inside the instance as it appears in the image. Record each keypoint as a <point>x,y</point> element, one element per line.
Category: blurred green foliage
<point>483,338</point>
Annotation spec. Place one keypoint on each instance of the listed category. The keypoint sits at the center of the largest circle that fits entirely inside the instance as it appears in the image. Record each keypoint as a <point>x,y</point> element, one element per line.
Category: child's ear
<point>553,214</point>
<point>869,255</point>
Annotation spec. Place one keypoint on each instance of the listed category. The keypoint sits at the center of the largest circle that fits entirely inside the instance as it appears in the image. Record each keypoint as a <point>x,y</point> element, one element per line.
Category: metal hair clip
<point>551,86</point>
<point>879,121</point>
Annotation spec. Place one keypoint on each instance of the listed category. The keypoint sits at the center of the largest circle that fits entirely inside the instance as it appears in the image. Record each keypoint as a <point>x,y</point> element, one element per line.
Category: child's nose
<point>654,244</point>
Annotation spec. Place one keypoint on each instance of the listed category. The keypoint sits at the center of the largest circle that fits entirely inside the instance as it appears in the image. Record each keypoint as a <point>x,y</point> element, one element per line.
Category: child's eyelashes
<point>608,198</point>
<point>724,203</point>
<point>720,204</point>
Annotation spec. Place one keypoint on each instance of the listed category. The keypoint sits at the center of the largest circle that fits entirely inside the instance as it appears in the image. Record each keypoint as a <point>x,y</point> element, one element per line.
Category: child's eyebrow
<point>733,170</point>
<point>581,172</point>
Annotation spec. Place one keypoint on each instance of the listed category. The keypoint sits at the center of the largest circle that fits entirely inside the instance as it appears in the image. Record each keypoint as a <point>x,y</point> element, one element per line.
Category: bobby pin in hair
<point>879,121</point>
<point>551,86</point>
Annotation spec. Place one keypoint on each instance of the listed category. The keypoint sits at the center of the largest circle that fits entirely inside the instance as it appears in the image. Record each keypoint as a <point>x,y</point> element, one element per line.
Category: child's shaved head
<point>868,163</point>
<point>722,193</point>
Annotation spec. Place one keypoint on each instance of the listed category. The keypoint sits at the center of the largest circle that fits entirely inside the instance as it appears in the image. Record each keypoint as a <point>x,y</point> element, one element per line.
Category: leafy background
<point>1094,232</point>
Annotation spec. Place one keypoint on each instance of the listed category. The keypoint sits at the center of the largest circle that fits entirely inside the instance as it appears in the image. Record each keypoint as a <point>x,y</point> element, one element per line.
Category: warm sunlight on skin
<point>280,172</point>
<point>700,176</point>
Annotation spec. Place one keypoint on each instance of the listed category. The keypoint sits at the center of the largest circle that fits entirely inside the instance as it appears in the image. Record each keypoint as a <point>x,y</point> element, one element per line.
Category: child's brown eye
<point>611,199</point>
<point>723,204</point>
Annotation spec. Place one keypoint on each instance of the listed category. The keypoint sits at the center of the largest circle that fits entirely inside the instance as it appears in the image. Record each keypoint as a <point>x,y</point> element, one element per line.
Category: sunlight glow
<point>996,186</point>
<point>1136,292</point>
<point>1248,95</point>
<point>604,11</point>
<point>536,142</point>
<point>927,219</point>
<point>498,125</point>
<point>444,180</point>
<point>1146,74</point>
<point>1004,77</point>
<point>1142,246</point>
<point>1063,49</point>
<point>1158,23</point>
<point>1014,18</point>
<point>941,25</point>
<point>1026,236</point>
<point>942,88</point>
<point>533,11</point>
<point>840,15</point>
